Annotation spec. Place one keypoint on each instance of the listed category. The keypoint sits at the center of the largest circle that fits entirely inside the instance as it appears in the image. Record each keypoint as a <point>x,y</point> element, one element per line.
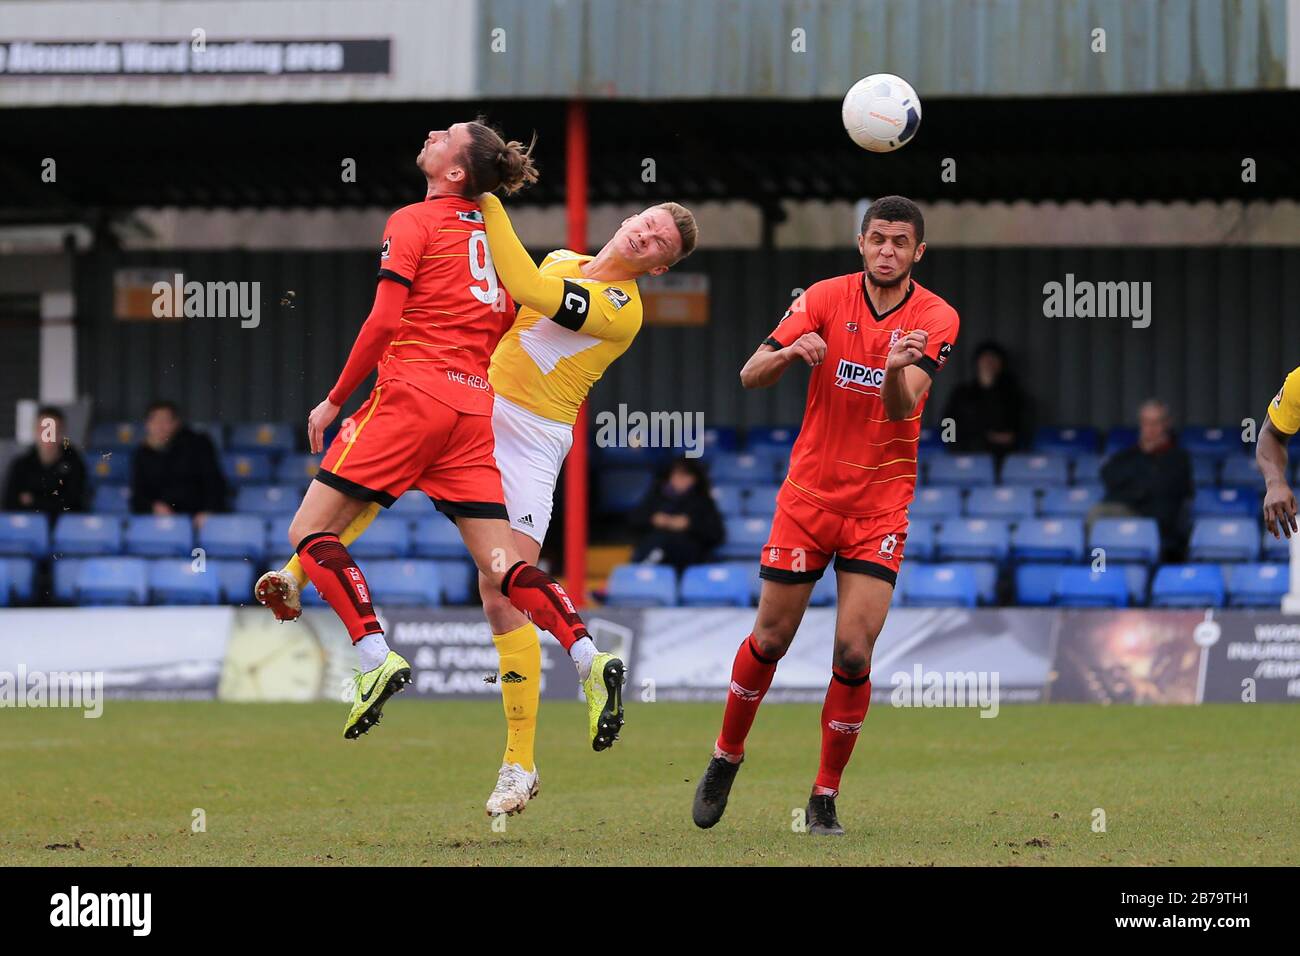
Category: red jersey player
<point>438,313</point>
<point>874,340</point>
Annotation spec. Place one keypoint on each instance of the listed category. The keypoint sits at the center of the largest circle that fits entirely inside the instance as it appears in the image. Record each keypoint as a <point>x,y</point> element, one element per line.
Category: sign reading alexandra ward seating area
<point>191,57</point>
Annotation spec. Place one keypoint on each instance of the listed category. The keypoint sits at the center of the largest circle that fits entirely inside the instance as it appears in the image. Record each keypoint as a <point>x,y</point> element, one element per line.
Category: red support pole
<point>575,470</point>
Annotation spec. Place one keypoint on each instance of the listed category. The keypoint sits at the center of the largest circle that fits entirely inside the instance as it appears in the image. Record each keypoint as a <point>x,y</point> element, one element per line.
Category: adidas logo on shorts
<point>527,519</point>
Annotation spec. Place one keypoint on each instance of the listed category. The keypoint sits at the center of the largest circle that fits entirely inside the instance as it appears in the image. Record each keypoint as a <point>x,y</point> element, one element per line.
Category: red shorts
<point>402,438</point>
<point>804,536</point>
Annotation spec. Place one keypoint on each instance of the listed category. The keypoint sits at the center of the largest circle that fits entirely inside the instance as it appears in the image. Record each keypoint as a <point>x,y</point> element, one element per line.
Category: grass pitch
<point>277,784</point>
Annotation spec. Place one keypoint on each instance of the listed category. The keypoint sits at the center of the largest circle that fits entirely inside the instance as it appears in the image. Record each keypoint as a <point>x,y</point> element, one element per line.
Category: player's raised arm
<point>514,266</point>
<point>766,365</point>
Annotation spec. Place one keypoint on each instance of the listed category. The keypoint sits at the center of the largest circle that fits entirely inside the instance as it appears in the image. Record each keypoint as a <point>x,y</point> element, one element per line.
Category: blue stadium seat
<point>111,500</point>
<point>236,536</point>
<point>176,581</point>
<point>939,585</point>
<point>718,585</point>
<point>387,537</point>
<point>24,534</point>
<point>777,437</point>
<point>6,588</point>
<point>268,499</point>
<point>1240,470</point>
<point>216,432</point>
<point>720,438</point>
<point>729,499</point>
<point>1136,577</point>
<point>1205,472</point>
<point>22,578</point>
<point>459,581</point>
<point>1067,441</point>
<point>1117,439</point>
<point>436,537</point>
<point>294,469</point>
<point>159,536</point>
<point>972,539</point>
<point>1086,469</point>
<point>115,435</point>
<point>986,579</point>
<point>1012,502</point>
<point>761,501</point>
<point>936,503</point>
<point>64,573</point>
<point>1188,585</point>
<point>965,471</point>
<point>1210,442</point>
<point>106,465</point>
<point>248,467</point>
<point>1073,502</point>
<point>277,541</point>
<point>632,457</point>
<point>1271,548</point>
<point>1036,584</point>
<point>1038,471</point>
<point>1212,502</point>
<point>1126,539</point>
<point>920,539</point>
<point>1257,585</point>
<point>620,490</point>
<point>641,585</point>
<point>743,468</point>
<point>1048,539</point>
<point>929,440</point>
<point>1224,539</point>
<point>264,436</point>
<point>86,535</point>
<point>413,504</point>
<point>412,583</point>
<point>745,538</point>
<point>235,579</point>
<point>1084,587</point>
<point>112,581</point>
<point>825,593</point>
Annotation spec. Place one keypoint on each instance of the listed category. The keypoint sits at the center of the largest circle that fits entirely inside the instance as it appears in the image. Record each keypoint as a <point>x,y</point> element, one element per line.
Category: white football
<point>881,112</point>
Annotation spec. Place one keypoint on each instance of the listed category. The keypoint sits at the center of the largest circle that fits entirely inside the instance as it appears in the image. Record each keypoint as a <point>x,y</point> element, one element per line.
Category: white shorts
<point>529,450</point>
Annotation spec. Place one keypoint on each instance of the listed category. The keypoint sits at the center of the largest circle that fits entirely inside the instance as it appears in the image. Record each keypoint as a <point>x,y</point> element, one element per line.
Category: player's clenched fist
<point>810,347</point>
<point>908,349</point>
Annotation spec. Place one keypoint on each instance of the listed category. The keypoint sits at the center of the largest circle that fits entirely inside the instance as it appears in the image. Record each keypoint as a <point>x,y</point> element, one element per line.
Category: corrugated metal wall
<point>1222,336</point>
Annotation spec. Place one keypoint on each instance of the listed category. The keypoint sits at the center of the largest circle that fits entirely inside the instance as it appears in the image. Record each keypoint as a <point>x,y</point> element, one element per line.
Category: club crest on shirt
<point>383,250</point>
<point>617,296</point>
<point>1277,399</point>
<point>894,336</point>
<point>851,326</point>
<point>945,350</point>
<point>472,215</point>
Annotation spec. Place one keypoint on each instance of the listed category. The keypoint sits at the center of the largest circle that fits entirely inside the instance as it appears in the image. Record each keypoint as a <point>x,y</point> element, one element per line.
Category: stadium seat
<point>1257,585</point>
<point>413,504</point>
<point>939,585</point>
<point>7,596</point>
<point>459,581</point>
<point>761,501</point>
<point>929,440</point>
<point>1210,442</point>
<point>944,501</point>
<point>632,457</point>
<point>1224,539</point>
<point>112,581</point>
<point>64,575</point>
<point>1086,469</point>
<point>1066,441</point>
<point>972,539</point>
<point>964,471</point>
<point>1036,584</point>
<point>388,537</point>
<point>21,573</point>
<point>86,535</point>
<point>743,468</point>
<point>24,534</point>
<point>159,536</point>
<point>1188,585</point>
<point>236,536</point>
<point>1073,502</point>
<point>1084,587</point>
<point>235,579</point>
<point>411,583</point>
<point>248,467</point>
<point>294,469</point>
<point>825,592</point>
<point>1240,470</point>
<point>106,465</point>
<point>115,435</point>
<point>779,438</point>
<point>620,490</point>
<point>264,436</point>
<point>1205,472</point>
<point>1136,577</point>
<point>277,541</point>
<point>920,539</point>
<point>268,499</point>
<point>111,499</point>
<point>641,585</point>
<point>1117,439</point>
<point>1048,539</point>
<point>1039,471</point>
<point>1126,539</point>
<point>718,585</point>
<point>720,438</point>
<point>729,499</point>
<point>436,537</point>
<point>1011,502</point>
<point>216,432</point>
<point>745,538</point>
<point>1213,502</point>
<point>178,581</point>
<point>1274,549</point>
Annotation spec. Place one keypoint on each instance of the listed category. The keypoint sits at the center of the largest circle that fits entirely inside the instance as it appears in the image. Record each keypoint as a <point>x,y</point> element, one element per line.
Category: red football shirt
<point>849,457</point>
<point>456,310</point>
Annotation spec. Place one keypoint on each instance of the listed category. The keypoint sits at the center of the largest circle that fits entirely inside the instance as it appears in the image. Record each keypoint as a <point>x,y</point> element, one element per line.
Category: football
<point>881,112</point>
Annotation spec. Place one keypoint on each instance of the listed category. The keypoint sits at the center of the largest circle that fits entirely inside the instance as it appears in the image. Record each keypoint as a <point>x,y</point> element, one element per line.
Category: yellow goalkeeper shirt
<point>568,331</point>
<point>1284,410</point>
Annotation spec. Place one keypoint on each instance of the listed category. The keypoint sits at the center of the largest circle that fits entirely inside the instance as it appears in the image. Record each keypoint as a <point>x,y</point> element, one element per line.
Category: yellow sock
<point>353,531</point>
<point>521,688</point>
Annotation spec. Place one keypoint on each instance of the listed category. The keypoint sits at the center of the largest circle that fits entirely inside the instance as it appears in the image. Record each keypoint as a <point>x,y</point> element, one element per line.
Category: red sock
<point>751,676</point>
<point>340,582</point>
<point>847,700</point>
<point>537,594</point>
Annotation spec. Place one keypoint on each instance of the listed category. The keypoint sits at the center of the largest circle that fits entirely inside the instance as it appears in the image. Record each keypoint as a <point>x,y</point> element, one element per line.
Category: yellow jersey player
<point>1282,422</point>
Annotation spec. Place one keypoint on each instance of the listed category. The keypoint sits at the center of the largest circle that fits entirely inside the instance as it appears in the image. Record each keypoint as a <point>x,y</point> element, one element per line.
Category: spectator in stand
<point>51,476</point>
<point>1152,479</point>
<point>991,411</point>
<point>176,470</point>
<point>678,517</point>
